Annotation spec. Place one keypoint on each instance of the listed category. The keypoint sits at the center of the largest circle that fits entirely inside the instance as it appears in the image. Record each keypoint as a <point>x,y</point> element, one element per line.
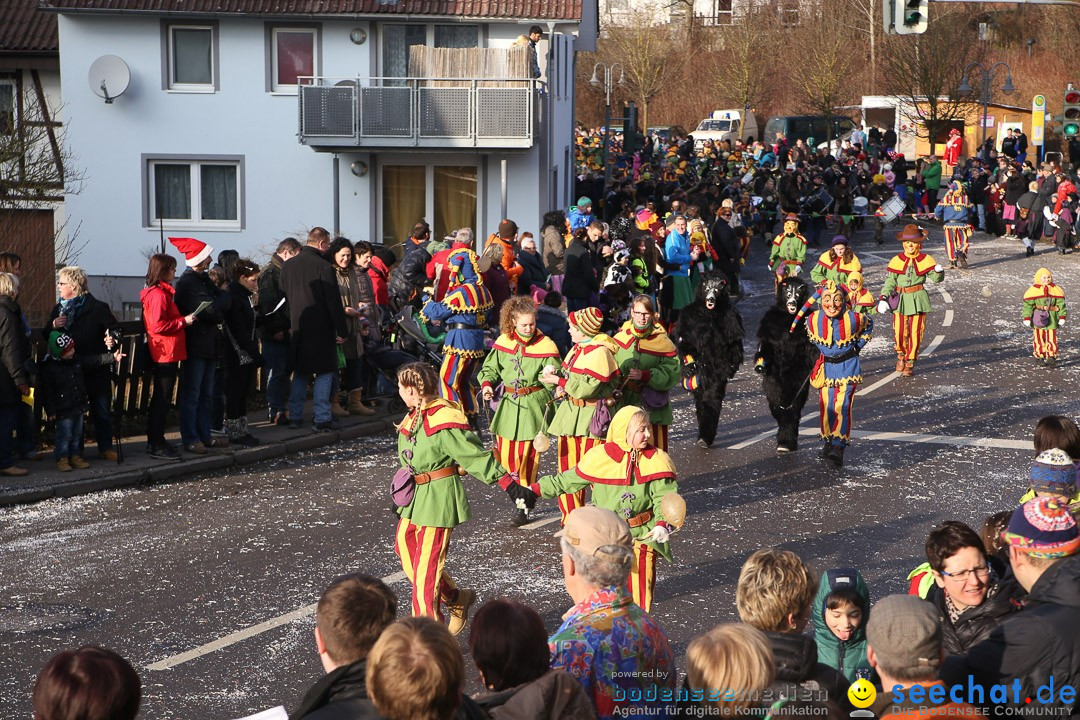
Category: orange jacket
<point>509,263</point>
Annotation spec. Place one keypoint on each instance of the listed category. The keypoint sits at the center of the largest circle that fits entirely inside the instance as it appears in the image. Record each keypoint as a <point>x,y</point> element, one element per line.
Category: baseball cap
<point>1043,528</point>
<point>905,632</point>
<point>590,528</point>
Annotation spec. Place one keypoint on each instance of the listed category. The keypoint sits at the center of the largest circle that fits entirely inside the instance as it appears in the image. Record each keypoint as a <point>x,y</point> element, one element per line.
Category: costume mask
<point>832,299</point>
<point>791,227</point>
<point>912,248</point>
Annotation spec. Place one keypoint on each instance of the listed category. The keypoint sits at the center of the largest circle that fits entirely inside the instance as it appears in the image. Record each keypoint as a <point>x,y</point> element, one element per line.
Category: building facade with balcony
<point>247,121</point>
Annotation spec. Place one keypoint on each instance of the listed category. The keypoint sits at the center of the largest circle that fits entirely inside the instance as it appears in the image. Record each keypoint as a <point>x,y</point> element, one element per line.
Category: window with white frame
<point>293,55</point>
<point>191,58</point>
<point>7,107</point>
<point>722,13</point>
<point>188,192</point>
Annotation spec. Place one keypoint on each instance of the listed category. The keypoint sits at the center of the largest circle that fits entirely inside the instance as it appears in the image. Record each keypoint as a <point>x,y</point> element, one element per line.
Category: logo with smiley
<point>862,694</point>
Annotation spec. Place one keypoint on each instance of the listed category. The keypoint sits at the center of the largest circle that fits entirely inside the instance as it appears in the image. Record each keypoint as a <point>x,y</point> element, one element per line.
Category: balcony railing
<point>379,112</point>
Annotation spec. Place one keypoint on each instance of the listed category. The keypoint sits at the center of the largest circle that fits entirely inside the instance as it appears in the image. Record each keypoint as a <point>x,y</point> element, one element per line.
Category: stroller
<point>407,344</point>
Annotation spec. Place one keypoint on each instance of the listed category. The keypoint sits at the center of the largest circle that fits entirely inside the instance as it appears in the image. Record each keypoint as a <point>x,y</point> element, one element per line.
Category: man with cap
<point>1041,644</point>
<point>906,296</point>
<point>903,639</point>
<point>194,288</point>
<point>606,641</point>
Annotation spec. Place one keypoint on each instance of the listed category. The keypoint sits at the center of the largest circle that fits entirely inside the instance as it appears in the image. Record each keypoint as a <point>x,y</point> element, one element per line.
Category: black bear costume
<point>784,359</point>
<point>710,333</point>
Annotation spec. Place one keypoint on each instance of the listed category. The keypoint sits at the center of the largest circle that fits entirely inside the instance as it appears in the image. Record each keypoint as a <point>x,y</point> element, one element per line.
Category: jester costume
<point>788,250</point>
<point>953,210</point>
<point>515,363</point>
<point>840,334</point>
<point>651,351</point>
<point>463,314</point>
<point>906,276</point>
<point>436,445</point>
<point>831,266</point>
<point>589,375</point>
<point>1044,312</point>
<point>629,483</point>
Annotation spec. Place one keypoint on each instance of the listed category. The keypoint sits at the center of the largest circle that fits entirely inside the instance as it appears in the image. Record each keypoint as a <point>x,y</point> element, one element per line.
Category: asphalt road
<point>163,573</point>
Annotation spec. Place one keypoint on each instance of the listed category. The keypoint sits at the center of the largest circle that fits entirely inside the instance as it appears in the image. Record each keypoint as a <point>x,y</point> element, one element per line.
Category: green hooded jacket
<point>848,657</point>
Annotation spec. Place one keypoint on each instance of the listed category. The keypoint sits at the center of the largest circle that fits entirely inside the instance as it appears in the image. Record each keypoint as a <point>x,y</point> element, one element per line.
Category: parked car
<point>666,132</point>
<point>801,127</point>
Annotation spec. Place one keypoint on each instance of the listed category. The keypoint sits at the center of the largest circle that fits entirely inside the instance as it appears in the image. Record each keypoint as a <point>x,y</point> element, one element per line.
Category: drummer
<point>878,194</point>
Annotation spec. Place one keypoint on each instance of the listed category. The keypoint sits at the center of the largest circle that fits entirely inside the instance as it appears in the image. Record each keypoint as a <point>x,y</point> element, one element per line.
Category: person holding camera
<point>92,326</point>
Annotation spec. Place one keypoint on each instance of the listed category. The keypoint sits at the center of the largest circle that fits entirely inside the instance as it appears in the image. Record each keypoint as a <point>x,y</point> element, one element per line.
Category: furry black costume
<point>710,330</point>
<point>784,359</point>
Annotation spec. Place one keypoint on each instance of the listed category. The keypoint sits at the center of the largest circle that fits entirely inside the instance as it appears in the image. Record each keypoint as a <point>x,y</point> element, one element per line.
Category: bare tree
<point>745,43</point>
<point>924,72</point>
<point>867,21</point>
<point>649,56</point>
<point>822,63</point>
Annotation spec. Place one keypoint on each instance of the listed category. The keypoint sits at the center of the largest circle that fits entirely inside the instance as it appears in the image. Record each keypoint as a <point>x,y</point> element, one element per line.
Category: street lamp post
<point>609,72</point>
<point>987,75</point>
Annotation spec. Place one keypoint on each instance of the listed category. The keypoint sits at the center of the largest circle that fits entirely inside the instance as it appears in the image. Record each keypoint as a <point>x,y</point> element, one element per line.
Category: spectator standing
<point>735,656</point>
<point>411,274</point>
<point>1043,640</point>
<point>904,646</point>
<point>351,376</point>
<point>351,614</point>
<point>91,683</point>
<point>26,424</point>
<point>579,280</point>
<point>931,175</point>
<point>505,239</point>
<point>242,356</point>
<point>63,396</point>
<point>609,644</point>
<point>553,235</point>
<point>89,322</point>
<point>382,260</point>
<point>274,331</point>
<point>551,321</point>
<point>167,346</point>
<point>508,644</point>
<point>318,322</point>
<point>533,274</point>
<point>14,379</point>
<point>535,36</point>
<point>193,289</point>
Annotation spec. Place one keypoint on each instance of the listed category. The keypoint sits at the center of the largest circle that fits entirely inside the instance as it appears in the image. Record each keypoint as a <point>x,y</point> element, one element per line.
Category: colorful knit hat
<point>1054,472</point>
<point>583,202</point>
<point>59,342</point>
<point>1043,528</point>
<point>587,320</point>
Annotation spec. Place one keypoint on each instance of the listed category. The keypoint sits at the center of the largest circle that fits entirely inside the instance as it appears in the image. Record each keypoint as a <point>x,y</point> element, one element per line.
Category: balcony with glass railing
<point>338,114</point>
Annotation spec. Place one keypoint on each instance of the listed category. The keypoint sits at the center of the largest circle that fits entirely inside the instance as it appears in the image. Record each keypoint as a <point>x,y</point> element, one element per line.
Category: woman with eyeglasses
<point>974,592</point>
<point>649,363</point>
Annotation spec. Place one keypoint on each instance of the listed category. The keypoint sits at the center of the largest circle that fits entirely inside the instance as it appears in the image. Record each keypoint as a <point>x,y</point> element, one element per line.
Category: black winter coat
<point>88,331</point>
<point>726,245</point>
<point>203,337</point>
<point>1036,644</point>
<point>241,321</point>
<point>270,295</point>
<point>796,662</point>
<point>534,272</point>
<point>316,315</point>
<point>411,274</point>
<point>339,695</point>
<point>976,624</point>
<point>14,352</point>
<point>580,277</point>
<point>61,387</point>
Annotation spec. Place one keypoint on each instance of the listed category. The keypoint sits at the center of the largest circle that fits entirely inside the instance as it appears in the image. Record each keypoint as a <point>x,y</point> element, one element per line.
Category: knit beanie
<point>587,320</point>
<point>59,342</point>
<point>1043,528</point>
<point>1054,472</point>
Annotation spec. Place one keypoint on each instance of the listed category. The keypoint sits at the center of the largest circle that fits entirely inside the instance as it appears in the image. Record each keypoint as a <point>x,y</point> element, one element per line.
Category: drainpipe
<point>502,188</point>
<point>337,197</point>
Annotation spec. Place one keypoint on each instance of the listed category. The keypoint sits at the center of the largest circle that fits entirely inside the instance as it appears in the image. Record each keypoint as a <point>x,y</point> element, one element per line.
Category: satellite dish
<point>109,77</point>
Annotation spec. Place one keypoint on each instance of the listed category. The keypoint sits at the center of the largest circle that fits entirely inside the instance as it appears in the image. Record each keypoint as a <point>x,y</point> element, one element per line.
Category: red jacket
<point>378,272</point>
<point>164,324</point>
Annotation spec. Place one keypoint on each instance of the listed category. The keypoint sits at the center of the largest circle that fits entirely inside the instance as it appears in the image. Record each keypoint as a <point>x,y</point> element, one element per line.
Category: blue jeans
<point>982,215</point>
<point>196,389</point>
<point>69,436</point>
<point>9,415</point>
<point>276,355</point>
<point>101,412</point>
<point>320,395</point>
<point>901,191</point>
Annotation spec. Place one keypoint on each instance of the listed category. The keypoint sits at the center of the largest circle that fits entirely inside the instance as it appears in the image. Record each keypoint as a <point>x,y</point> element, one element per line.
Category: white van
<point>725,125</point>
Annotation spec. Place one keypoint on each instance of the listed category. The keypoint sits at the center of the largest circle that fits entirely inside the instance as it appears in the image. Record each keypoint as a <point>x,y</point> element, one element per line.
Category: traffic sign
<point>1038,119</point>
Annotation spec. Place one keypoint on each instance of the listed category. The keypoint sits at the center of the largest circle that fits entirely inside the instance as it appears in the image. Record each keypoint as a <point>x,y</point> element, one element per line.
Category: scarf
<point>71,308</point>
<point>955,613</point>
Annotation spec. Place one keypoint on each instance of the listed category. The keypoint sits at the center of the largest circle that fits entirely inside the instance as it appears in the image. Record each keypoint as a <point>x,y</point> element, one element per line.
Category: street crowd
<point>578,336</point>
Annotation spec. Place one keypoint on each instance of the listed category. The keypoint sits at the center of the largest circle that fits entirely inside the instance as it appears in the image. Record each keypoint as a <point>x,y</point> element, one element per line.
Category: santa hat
<point>195,251</point>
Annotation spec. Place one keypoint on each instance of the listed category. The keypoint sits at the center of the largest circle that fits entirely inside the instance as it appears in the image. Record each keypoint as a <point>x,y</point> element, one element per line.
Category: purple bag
<point>496,395</point>
<point>601,420</point>
<point>894,300</point>
<point>1040,318</point>
<point>403,487</point>
<point>653,399</point>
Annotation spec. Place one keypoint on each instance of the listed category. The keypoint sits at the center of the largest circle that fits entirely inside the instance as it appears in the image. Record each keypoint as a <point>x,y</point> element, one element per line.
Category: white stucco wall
<point>287,187</point>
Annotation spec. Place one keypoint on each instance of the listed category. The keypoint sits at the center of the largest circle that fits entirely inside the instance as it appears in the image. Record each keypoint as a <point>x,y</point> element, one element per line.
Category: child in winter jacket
<point>841,609</point>
<point>63,395</point>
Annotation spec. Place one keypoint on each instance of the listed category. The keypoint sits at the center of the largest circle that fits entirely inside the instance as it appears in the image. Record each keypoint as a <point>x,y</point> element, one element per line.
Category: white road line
<point>540,523</point>
<point>239,635</point>
<point>948,318</point>
<point>938,339</point>
<point>883,381</point>
<point>756,439</point>
<point>954,440</point>
<point>945,294</point>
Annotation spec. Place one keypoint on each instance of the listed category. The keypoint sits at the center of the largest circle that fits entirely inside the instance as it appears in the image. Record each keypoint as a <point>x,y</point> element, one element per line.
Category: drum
<point>859,206</point>
<point>819,202</point>
<point>892,208</point>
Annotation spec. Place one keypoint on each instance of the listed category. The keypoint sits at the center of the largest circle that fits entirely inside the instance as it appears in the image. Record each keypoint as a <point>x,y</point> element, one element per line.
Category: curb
<point>174,471</point>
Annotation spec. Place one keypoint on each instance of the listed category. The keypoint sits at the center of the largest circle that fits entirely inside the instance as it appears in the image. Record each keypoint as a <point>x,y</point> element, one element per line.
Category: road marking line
<point>540,523</point>
<point>239,635</point>
<point>954,440</point>
<point>948,318</point>
<point>945,294</point>
<point>938,339</point>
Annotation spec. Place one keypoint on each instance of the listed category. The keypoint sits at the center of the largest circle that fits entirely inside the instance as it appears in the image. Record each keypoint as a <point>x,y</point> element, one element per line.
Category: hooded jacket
<point>795,659</point>
<point>1032,646</point>
<point>848,657</point>
<point>555,695</point>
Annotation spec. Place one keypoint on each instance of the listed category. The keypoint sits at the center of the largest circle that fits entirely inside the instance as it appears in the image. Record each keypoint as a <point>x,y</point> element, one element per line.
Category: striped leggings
<point>907,335</point>
<point>571,448</point>
<point>423,558</point>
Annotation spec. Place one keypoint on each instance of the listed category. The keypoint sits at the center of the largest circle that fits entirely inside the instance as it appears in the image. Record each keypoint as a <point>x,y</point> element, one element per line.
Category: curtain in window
<point>172,192</point>
<point>192,61</point>
<point>218,192</point>
<point>7,108</point>
<point>397,39</point>
<point>295,55</point>
<point>455,200</point>
<point>457,36</point>
<point>404,202</point>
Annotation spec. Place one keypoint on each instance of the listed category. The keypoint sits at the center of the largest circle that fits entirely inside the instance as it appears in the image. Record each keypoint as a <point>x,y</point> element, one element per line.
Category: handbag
<point>653,399</point>
<point>894,300</point>
<point>601,420</point>
<point>817,375</point>
<point>242,355</point>
<point>1040,318</point>
<point>403,487</point>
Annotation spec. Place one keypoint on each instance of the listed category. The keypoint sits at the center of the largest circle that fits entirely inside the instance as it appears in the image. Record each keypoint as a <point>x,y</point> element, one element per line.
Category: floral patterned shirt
<point>618,653</point>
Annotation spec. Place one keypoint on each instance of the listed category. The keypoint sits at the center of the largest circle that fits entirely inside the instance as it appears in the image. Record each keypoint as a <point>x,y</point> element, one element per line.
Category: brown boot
<point>909,369</point>
<point>335,407</point>
<point>356,403</point>
<point>900,364</point>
